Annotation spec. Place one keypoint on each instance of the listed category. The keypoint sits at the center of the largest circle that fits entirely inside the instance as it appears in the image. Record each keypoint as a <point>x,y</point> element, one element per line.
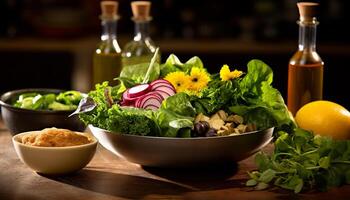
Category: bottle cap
<point>307,10</point>
<point>141,10</point>
<point>109,10</point>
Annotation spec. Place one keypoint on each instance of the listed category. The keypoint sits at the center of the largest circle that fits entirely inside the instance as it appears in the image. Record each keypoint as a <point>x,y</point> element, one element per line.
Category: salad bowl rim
<point>178,138</point>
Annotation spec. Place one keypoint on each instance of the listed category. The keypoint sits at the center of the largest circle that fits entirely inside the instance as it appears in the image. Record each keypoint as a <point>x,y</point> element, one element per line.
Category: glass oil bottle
<point>305,71</point>
<point>141,49</point>
<point>107,57</point>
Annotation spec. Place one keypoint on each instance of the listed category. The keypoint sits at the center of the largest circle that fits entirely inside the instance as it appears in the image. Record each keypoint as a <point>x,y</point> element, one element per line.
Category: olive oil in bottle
<point>305,71</point>
<point>141,49</point>
<point>107,57</point>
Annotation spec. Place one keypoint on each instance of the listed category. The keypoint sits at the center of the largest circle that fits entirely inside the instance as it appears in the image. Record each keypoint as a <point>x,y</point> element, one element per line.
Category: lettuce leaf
<point>137,72</point>
<point>173,64</point>
<point>179,104</point>
<point>176,114</point>
<point>262,104</point>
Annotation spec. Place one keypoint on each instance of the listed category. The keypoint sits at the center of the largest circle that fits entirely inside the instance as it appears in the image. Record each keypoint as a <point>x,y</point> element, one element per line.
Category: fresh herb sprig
<point>303,161</point>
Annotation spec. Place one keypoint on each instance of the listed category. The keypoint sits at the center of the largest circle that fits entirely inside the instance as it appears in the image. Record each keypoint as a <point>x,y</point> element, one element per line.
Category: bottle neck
<point>109,30</point>
<point>307,35</point>
<point>141,30</point>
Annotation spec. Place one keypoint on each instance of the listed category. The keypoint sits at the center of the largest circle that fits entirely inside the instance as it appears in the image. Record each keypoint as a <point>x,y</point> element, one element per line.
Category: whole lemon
<point>325,118</point>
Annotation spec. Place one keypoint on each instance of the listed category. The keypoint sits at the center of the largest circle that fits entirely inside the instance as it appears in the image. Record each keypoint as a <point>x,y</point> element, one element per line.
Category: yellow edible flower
<point>199,79</point>
<point>226,74</point>
<point>179,80</point>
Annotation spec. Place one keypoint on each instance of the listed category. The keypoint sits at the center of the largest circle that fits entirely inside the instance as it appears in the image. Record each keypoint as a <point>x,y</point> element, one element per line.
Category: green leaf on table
<point>261,186</point>
<point>267,176</point>
<point>299,186</point>
<point>251,182</point>
<point>262,161</point>
<point>254,175</point>
<point>324,162</point>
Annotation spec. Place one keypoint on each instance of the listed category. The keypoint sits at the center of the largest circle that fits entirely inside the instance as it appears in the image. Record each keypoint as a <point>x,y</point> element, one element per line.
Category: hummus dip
<point>54,137</point>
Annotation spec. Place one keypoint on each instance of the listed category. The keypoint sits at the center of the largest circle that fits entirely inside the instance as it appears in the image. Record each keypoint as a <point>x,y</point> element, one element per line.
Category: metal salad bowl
<point>183,152</point>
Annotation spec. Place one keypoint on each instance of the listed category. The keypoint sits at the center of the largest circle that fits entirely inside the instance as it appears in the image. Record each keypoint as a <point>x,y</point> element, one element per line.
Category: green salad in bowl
<point>168,100</point>
<point>38,108</point>
<point>67,100</point>
<point>184,116</point>
<point>177,114</point>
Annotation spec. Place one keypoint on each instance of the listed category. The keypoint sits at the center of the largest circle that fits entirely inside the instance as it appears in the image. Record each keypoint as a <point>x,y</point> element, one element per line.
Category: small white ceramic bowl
<point>55,160</point>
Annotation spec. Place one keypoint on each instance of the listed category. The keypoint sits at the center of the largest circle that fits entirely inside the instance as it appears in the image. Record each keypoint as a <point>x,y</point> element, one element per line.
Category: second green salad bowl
<point>19,120</point>
<point>183,152</point>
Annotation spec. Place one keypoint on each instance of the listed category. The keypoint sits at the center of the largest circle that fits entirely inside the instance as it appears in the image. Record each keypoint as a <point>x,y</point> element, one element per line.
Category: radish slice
<point>152,100</point>
<point>166,89</point>
<point>160,81</point>
<point>163,86</point>
<point>138,90</point>
<point>148,96</point>
<point>151,107</point>
<point>164,94</point>
<point>128,100</point>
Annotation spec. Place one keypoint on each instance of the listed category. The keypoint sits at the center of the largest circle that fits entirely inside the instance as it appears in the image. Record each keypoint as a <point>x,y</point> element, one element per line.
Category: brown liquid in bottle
<point>305,79</point>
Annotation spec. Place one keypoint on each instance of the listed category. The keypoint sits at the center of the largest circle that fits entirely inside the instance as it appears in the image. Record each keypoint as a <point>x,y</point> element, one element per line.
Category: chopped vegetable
<point>68,100</point>
<point>223,124</point>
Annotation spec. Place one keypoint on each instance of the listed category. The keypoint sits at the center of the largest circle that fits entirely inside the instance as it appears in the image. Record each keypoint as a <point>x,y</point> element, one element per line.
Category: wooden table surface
<point>110,177</point>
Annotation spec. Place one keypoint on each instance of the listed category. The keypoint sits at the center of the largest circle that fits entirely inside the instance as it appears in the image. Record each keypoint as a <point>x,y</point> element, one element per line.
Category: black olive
<point>211,133</point>
<point>206,125</point>
<point>199,129</point>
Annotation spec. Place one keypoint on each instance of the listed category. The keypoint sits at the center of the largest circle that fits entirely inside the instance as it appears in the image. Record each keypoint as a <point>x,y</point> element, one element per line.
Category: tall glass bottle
<point>107,57</point>
<point>305,71</point>
<point>141,48</point>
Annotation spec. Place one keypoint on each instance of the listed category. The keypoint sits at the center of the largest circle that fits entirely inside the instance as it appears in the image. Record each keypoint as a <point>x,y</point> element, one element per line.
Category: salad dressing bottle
<point>305,71</point>
<point>107,57</point>
<point>141,49</point>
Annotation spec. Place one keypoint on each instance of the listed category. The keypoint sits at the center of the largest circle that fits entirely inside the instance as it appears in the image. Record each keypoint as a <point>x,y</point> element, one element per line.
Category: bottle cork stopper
<point>307,10</point>
<point>141,10</point>
<point>109,9</point>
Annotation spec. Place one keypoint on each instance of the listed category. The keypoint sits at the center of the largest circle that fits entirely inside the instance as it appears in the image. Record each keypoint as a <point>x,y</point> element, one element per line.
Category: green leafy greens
<point>136,73</point>
<point>252,97</point>
<point>302,160</point>
<point>173,64</point>
<point>173,119</point>
<point>35,101</point>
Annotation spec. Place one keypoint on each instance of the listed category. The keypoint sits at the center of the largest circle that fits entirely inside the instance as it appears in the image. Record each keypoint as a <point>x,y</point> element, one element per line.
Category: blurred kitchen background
<point>49,43</point>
